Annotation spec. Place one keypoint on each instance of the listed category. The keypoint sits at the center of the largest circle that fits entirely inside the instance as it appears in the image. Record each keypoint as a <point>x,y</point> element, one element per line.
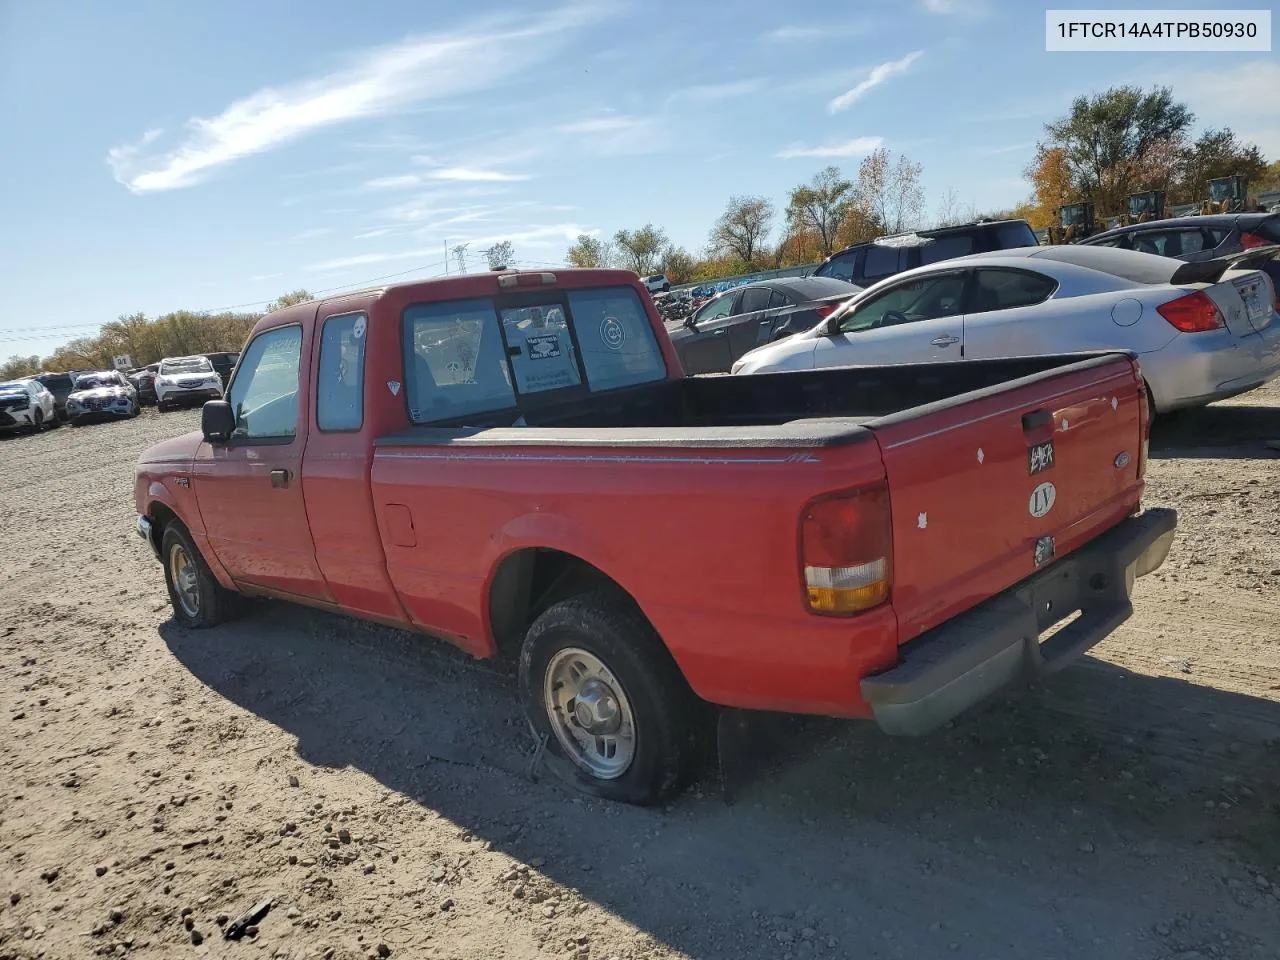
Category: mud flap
<point>751,744</point>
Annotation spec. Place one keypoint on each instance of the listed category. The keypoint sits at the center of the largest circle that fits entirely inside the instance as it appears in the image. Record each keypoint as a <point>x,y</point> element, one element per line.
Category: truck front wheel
<point>600,689</point>
<point>198,599</point>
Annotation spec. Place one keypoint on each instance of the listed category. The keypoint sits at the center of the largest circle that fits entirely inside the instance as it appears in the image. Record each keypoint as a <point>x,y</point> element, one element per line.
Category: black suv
<point>223,364</point>
<point>869,263</point>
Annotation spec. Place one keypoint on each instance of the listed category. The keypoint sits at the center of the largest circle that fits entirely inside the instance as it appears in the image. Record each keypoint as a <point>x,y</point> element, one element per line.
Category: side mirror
<point>217,421</point>
<point>690,322</point>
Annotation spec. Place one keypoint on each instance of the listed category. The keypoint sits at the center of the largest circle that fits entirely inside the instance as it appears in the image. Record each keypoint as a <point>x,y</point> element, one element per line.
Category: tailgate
<point>989,486</point>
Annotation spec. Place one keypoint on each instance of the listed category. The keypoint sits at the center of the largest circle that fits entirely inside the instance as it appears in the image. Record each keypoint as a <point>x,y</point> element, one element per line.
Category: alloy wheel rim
<point>185,584</point>
<point>589,713</point>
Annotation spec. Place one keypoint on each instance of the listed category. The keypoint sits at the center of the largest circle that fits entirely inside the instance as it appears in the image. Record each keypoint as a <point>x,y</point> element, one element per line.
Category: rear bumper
<point>960,663</point>
<point>1199,368</point>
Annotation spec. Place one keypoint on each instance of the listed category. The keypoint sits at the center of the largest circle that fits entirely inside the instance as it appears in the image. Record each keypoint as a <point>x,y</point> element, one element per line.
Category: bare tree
<point>890,192</point>
<point>743,228</point>
<point>589,251</point>
<point>639,250</point>
<point>948,210</point>
<point>819,206</point>
<point>501,254</point>
<point>459,251</point>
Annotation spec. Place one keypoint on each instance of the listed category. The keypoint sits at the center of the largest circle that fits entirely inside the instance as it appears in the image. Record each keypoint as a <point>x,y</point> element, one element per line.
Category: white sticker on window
<point>612,333</point>
<point>357,331</point>
<point>394,387</point>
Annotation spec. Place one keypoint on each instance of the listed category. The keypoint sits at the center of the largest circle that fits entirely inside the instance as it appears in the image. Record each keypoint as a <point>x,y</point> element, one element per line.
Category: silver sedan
<point>1202,331</point>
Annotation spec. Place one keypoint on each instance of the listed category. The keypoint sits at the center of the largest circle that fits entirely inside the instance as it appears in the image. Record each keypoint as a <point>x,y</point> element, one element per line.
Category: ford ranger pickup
<point>514,462</point>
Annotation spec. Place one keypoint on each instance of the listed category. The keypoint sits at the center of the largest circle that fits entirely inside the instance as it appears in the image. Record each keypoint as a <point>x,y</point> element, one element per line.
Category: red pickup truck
<point>513,461</point>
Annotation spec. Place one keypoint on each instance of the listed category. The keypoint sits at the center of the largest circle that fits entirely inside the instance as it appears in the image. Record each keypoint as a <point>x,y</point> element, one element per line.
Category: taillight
<point>846,549</point>
<point>824,310</point>
<point>1250,240</point>
<point>1194,313</point>
<point>1146,414</point>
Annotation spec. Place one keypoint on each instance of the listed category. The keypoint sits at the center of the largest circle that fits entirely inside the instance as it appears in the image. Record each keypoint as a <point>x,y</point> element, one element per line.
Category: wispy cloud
<point>953,7</point>
<point>878,75</point>
<point>1227,97</point>
<point>431,67</point>
<point>614,133</point>
<point>392,183</point>
<point>856,147</point>
<point>471,175</point>
<point>712,92</point>
<point>311,234</point>
<point>814,34</point>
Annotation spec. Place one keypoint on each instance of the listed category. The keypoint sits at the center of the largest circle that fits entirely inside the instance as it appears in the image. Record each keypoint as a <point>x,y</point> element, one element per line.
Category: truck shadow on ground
<point>1219,432</point>
<point>1054,821</point>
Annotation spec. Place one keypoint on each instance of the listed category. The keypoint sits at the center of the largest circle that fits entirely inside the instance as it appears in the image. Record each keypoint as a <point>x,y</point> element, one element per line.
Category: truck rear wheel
<point>600,689</point>
<point>198,599</point>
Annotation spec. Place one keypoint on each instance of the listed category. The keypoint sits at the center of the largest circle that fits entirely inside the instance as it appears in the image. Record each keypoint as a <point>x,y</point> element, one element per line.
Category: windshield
<point>185,365</point>
<point>92,381</point>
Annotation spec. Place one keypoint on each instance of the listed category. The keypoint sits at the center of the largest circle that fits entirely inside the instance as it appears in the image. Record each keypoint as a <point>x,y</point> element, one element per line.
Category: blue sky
<point>162,155</point>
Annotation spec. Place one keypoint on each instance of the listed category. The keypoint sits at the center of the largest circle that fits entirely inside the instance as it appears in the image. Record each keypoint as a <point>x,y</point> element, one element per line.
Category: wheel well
<point>528,581</point>
<point>161,516</point>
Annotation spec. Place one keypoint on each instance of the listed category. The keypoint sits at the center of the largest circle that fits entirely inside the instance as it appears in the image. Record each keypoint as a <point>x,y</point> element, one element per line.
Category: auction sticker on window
<point>544,347</point>
<point>1150,31</point>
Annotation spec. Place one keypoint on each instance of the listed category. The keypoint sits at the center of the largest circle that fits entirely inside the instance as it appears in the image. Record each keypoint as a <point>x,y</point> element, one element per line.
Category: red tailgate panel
<point>965,501</point>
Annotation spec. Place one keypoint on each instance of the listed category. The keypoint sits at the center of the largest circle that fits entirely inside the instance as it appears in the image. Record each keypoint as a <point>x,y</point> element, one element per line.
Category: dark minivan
<point>869,263</point>
<point>59,384</point>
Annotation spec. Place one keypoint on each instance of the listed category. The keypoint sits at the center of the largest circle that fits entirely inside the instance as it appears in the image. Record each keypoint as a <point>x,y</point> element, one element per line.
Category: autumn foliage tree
<point>743,229</point>
<point>818,207</point>
<point>1051,187</point>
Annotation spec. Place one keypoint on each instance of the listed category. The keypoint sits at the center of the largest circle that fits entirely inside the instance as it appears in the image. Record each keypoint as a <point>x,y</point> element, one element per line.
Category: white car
<point>101,395</point>
<point>26,405</point>
<point>185,381</point>
<point>1203,331</point>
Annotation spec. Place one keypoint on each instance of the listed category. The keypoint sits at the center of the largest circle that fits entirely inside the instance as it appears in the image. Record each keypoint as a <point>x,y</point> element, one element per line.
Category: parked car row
<point>88,396</point>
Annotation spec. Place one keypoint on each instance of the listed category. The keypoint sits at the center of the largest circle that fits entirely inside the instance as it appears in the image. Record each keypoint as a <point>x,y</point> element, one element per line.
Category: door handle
<point>720,333</point>
<point>944,341</point>
<point>280,478</point>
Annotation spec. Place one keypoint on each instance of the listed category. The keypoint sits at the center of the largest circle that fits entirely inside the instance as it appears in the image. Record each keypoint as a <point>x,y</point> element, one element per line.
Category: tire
<point>37,419</point>
<point>602,630</point>
<point>203,602</point>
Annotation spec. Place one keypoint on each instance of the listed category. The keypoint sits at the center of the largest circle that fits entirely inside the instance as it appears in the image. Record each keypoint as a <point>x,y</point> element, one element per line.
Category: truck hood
<point>177,450</point>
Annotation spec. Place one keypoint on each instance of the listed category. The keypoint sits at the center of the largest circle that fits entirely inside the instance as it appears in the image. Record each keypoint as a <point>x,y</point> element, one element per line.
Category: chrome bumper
<point>144,531</point>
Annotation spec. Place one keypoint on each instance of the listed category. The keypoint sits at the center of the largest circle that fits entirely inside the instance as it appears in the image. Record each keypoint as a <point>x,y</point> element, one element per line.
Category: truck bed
<point>798,409</point>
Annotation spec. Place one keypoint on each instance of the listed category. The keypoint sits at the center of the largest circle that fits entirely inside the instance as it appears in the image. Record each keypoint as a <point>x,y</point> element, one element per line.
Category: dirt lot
<point>374,783</point>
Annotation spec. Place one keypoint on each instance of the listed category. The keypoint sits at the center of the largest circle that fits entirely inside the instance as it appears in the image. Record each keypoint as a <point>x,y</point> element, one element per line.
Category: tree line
<point>176,334</point>
<point>828,212</point>
<point>1127,140</point>
<point>1108,145</point>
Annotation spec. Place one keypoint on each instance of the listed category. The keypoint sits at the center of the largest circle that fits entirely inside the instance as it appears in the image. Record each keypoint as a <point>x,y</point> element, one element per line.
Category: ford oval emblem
<point>1042,500</point>
<point>1122,460</point>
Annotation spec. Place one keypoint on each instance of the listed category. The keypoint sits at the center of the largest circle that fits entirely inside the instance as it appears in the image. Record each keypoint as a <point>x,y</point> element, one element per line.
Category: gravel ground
<point>372,785</point>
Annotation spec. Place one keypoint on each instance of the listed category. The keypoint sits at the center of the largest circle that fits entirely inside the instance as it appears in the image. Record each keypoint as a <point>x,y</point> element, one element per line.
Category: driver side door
<point>249,489</point>
<point>706,347</point>
<point>916,320</point>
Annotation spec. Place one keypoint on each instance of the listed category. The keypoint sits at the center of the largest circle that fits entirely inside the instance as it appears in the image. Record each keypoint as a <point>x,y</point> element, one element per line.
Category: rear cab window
<point>467,358</point>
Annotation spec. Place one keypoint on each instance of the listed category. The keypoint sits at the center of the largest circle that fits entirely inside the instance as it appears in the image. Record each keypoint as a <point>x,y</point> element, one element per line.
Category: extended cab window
<point>340,381</point>
<point>477,356</point>
<point>264,395</point>
<point>618,345</point>
<point>925,298</point>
